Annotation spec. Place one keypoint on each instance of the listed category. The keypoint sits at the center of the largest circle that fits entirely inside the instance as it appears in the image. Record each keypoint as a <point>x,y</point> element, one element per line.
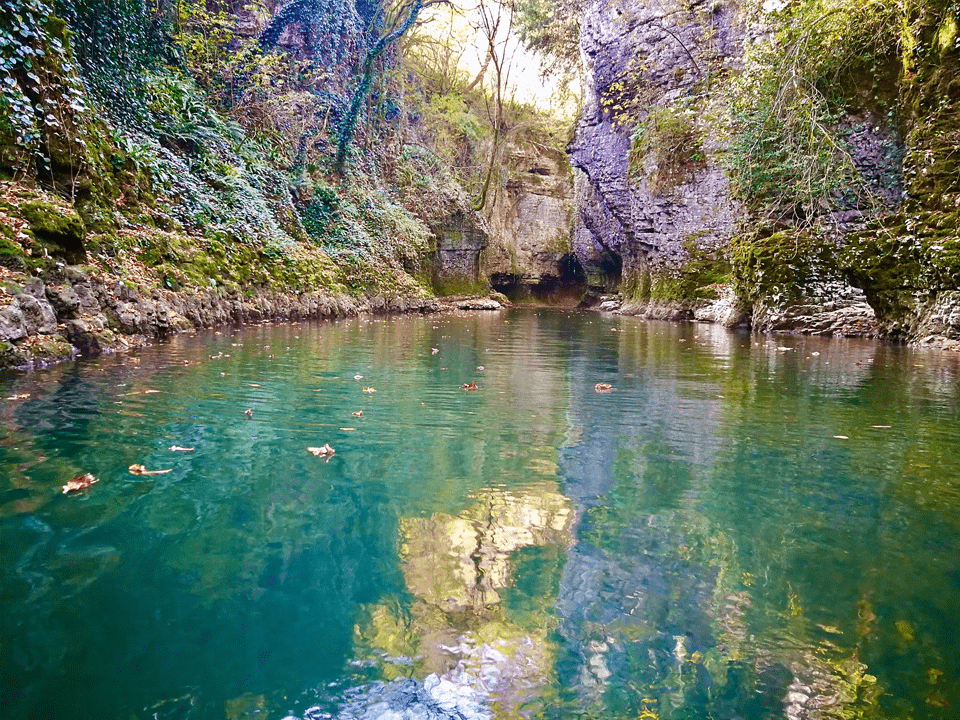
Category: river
<point>742,527</point>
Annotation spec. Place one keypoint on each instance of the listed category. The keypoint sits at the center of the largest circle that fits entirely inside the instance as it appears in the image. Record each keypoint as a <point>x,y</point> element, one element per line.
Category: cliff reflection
<point>473,621</point>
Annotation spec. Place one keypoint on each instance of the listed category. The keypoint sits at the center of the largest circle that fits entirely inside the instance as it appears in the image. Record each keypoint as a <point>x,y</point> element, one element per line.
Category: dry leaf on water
<point>603,388</point>
<point>19,396</point>
<point>177,448</point>
<point>323,451</point>
<point>80,482</point>
<point>137,469</point>
<point>472,385</point>
<point>358,413</point>
<point>248,412</point>
<point>369,390</point>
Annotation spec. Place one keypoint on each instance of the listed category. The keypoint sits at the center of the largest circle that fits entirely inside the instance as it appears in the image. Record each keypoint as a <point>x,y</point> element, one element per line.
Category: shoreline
<point>82,314</point>
<point>79,313</point>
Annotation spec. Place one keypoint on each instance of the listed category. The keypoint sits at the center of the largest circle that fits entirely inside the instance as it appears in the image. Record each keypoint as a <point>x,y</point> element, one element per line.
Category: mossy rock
<point>58,225</point>
<point>781,265</point>
<point>12,255</point>
<point>903,259</point>
<point>687,285</point>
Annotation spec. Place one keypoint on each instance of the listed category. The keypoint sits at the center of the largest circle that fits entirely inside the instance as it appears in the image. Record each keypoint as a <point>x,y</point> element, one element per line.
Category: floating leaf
<point>369,390</point>
<point>472,385</point>
<point>434,351</point>
<point>323,451</point>
<point>137,469</point>
<point>80,482</point>
<point>358,413</point>
<point>20,396</point>
<point>248,412</point>
<point>177,448</point>
<point>840,437</point>
<point>603,388</point>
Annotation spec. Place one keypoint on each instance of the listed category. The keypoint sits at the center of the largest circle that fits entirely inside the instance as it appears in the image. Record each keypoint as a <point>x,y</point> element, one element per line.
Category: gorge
<point>204,162</point>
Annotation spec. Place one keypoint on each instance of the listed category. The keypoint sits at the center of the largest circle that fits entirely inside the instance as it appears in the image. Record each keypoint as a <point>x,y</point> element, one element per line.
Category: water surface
<point>744,527</point>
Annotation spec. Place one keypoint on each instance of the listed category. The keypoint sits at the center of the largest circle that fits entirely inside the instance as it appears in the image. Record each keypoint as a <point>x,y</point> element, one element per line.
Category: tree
<point>495,23</point>
<point>400,19</point>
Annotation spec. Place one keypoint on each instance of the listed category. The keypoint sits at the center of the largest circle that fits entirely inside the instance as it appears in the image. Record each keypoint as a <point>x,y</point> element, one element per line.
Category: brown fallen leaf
<point>19,396</point>
<point>177,448</point>
<point>602,387</point>
<point>137,469</point>
<point>369,390</point>
<point>358,413</point>
<point>80,482</point>
<point>472,385</point>
<point>322,451</point>
<point>248,412</point>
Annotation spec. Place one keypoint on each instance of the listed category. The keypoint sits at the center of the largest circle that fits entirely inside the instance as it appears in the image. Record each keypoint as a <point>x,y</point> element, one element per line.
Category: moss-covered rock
<point>793,281</point>
<point>12,255</point>
<point>57,226</point>
<point>903,263</point>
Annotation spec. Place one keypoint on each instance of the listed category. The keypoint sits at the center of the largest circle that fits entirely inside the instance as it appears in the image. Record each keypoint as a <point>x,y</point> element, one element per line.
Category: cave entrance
<point>565,288</point>
<point>611,268</point>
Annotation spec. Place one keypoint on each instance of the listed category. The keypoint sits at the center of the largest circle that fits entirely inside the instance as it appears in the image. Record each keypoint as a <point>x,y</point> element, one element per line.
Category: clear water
<point>698,543</point>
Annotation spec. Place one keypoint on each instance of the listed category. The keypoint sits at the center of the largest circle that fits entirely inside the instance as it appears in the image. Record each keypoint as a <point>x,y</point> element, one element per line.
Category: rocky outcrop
<point>530,252</point>
<point>639,202</point>
<point>75,312</point>
<point>657,219</point>
<point>456,259</point>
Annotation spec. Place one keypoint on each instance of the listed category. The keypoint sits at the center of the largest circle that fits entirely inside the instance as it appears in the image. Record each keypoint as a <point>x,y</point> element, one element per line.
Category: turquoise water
<point>725,534</point>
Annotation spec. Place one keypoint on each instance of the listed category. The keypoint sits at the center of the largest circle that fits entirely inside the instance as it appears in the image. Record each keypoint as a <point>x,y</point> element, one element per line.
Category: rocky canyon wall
<point>658,217</point>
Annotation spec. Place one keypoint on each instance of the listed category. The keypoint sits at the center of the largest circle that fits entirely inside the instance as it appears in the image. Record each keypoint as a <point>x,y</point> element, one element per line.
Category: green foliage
<point>320,213</point>
<point>116,42</point>
<point>42,101</point>
<point>787,156</point>
<point>670,133</point>
<point>552,29</point>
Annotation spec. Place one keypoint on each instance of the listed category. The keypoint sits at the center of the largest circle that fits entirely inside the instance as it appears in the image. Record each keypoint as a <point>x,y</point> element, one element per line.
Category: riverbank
<point>75,310</point>
<point>827,316</point>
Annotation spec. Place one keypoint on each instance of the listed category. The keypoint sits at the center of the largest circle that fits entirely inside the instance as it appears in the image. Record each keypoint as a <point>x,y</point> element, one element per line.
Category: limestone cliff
<point>530,251</point>
<point>670,215</point>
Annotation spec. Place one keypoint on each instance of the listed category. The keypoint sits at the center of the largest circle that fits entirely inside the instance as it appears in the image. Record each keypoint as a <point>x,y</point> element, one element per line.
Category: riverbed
<point>740,526</point>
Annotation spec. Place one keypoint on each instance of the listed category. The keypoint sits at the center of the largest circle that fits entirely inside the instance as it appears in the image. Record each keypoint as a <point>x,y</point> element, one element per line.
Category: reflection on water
<point>746,527</point>
<point>456,567</point>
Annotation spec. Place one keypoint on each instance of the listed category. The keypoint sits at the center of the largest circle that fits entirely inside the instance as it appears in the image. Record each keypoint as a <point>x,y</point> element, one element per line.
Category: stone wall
<point>657,221</point>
